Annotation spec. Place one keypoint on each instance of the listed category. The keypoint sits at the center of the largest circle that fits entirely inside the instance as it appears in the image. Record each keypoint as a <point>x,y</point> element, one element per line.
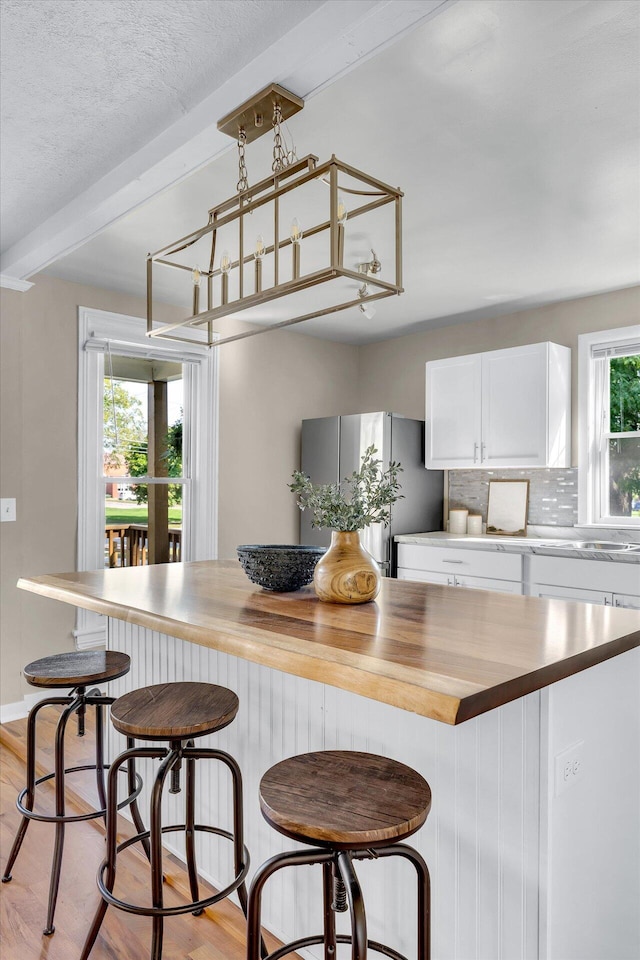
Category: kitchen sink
<point>606,546</point>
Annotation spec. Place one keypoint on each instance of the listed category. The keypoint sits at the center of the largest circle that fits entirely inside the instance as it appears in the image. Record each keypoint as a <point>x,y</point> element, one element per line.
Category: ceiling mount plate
<point>256,113</point>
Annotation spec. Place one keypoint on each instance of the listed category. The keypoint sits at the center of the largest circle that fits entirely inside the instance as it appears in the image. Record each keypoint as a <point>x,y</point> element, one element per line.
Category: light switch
<point>7,508</point>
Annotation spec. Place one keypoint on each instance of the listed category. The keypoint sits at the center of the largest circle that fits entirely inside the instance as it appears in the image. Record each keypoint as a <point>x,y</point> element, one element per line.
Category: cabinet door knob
<point>475,452</point>
<point>483,452</point>
<point>453,561</point>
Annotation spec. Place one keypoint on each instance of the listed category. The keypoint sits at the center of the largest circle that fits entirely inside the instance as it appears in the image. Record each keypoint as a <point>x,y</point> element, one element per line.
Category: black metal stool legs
<point>424,893</point>
<point>107,872</point>
<point>155,826</point>
<point>58,848</point>
<point>135,811</point>
<point>76,702</point>
<point>102,796</point>
<point>29,792</point>
<point>356,907</point>
<point>328,905</point>
<point>189,835</point>
<point>339,881</point>
<point>171,762</point>
<point>293,859</point>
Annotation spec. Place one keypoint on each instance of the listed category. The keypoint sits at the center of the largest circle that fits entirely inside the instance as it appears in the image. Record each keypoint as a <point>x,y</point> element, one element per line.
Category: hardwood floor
<point>219,934</point>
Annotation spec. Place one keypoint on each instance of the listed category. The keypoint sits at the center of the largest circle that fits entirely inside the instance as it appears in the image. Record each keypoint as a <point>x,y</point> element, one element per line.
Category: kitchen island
<point>522,713</point>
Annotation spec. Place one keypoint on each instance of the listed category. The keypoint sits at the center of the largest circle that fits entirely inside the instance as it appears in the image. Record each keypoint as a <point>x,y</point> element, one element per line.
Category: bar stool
<point>76,670</point>
<point>350,806</point>
<point>178,713</point>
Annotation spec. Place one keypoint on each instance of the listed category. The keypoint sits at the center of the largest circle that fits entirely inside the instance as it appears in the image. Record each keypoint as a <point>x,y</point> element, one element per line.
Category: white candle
<point>458,521</point>
<point>474,524</point>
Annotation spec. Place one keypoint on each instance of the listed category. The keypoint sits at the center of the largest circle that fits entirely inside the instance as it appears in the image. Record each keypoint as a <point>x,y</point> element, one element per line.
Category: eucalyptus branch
<point>356,502</point>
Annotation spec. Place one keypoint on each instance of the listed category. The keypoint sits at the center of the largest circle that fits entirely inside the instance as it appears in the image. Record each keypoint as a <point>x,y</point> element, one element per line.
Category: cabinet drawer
<point>425,576</point>
<point>487,583</point>
<point>603,575</point>
<point>626,600</point>
<point>475,563</point>
<point>550,592</point>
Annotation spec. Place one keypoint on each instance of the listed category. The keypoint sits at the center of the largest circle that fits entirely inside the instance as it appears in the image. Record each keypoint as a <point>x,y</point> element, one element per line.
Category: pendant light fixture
<point>341,209</point>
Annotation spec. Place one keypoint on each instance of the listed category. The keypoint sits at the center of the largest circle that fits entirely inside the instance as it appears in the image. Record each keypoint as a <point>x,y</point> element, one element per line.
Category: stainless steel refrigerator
<point>332,448</point>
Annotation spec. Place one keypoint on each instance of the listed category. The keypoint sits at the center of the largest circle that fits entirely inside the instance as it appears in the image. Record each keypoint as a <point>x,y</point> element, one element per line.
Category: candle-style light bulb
<point>225,267</point>
<point>341,214</point>
<point>259,254</point>
<point>196,276</point>
<point>295,234</point>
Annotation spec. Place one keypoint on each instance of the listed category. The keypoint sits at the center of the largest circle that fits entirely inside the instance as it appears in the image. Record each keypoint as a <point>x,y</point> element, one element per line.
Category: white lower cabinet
<point>488,583</point>
<point>551,592</point>
<point>472,583</point>
<point>603,582</point>
<point>626,600</point>
<point>592,581</point>
<point>455,567</point>
<point>425,576</point>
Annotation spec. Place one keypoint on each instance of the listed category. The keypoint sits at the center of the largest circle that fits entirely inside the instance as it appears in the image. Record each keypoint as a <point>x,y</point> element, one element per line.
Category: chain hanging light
<point>330,283</point>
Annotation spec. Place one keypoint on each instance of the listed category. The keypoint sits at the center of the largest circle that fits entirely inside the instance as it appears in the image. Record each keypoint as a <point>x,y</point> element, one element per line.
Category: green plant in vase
<point>347,573</point>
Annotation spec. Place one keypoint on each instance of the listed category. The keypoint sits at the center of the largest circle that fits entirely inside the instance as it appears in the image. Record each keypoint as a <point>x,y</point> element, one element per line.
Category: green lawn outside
<point>137,513</point>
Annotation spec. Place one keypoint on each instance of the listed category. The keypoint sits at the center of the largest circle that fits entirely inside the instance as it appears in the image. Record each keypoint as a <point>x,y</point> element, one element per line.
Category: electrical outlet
<point>569,767</point>
<point>7,509</point>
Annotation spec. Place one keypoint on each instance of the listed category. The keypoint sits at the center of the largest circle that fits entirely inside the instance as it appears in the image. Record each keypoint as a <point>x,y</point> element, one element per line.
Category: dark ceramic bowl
<point>279,567</point>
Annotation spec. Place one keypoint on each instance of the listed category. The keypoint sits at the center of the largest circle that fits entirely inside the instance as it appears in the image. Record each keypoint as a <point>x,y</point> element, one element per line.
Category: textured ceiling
<point>85,83</point>
<point>512,127</point>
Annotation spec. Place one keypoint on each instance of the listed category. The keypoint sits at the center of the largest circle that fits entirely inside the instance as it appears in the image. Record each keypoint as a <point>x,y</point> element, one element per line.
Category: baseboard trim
<point>21,708</point>
<point>91,638</point>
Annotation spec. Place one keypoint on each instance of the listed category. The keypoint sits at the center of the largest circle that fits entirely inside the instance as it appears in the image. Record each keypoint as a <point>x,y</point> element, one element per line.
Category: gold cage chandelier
<point>312,272</point>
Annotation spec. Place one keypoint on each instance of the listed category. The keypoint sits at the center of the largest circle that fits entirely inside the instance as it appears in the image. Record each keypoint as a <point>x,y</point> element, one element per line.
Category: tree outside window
<point>623,436</point>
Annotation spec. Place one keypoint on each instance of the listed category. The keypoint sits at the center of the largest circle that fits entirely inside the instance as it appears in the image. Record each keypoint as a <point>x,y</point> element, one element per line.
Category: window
<point>145,485</point>
<point>610,428</point>
<point>127,469</point>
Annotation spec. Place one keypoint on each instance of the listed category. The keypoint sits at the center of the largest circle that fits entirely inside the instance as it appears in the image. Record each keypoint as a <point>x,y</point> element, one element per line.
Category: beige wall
<point>392,375</point>
<point>268,384</point>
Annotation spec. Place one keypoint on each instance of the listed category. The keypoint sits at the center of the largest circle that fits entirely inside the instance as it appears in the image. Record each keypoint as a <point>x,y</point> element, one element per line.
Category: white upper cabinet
<point>504,408</point>
<point>453,392</point>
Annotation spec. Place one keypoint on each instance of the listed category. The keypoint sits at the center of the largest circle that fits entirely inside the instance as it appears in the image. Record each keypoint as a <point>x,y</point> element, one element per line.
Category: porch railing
<point>126,545</point>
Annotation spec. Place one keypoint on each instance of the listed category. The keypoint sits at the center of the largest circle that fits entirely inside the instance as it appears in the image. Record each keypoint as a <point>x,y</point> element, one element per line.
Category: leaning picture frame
<point>508,508</point>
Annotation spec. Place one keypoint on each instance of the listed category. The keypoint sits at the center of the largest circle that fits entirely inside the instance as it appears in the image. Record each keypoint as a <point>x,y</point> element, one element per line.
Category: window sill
<point>634,525</point>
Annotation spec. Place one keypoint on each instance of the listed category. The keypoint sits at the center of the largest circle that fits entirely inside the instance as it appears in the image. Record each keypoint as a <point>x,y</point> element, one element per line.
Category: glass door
<point>142,461</point>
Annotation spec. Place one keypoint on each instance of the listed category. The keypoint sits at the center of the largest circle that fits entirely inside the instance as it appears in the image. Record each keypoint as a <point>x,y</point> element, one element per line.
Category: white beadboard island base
<point>518,872</point>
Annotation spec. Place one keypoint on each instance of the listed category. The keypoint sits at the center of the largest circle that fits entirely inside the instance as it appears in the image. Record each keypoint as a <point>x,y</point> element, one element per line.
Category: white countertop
<point>535,545</point>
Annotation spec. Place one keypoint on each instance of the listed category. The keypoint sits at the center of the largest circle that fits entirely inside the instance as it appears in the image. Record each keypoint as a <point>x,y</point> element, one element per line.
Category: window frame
<point>127,336</point>
<point>593,405</point>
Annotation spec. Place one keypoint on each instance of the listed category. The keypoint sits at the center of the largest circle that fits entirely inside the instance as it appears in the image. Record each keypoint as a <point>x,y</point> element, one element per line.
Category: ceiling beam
<point>317,52</point>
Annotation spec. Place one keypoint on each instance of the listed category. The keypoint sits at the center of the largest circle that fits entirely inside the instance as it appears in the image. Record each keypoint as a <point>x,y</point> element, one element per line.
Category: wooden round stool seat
<point>77,669</point>
<point>344,799</point>
<point>174,711</point>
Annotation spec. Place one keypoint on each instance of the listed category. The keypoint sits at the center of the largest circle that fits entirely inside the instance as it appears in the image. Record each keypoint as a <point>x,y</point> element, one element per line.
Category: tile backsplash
<point>553,494</point>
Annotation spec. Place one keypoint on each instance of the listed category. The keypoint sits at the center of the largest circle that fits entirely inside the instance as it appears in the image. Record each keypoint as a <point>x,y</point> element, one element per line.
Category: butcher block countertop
<point>438,651</point>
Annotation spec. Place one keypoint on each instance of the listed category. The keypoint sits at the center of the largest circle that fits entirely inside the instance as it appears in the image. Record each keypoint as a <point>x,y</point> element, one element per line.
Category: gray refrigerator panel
<point>320,461</point>
<point>421,508</point>
<point>423,490</point>
<point>332,449</point>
